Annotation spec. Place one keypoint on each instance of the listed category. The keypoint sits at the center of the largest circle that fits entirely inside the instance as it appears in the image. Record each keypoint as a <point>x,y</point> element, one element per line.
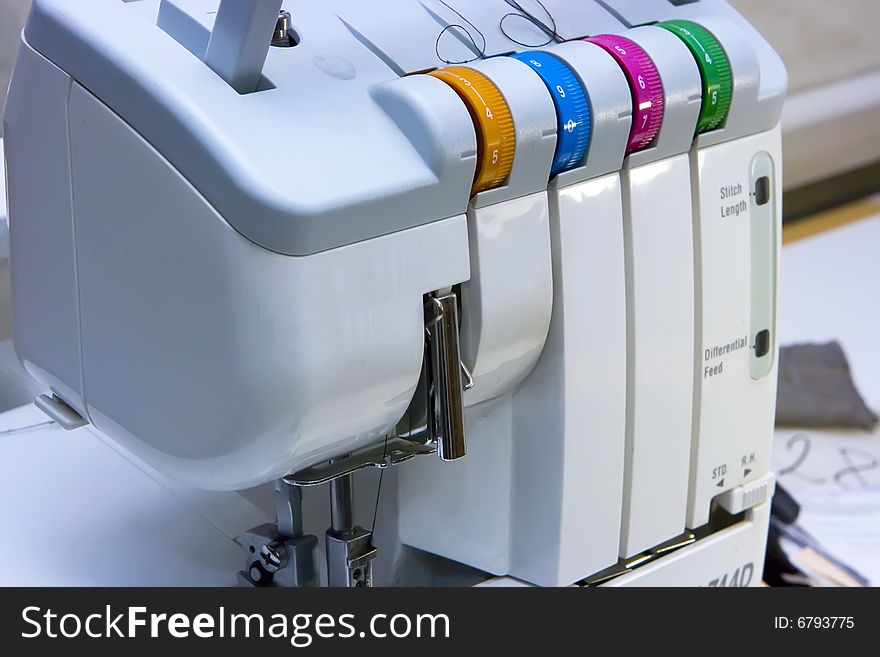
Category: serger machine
<point>525,252</point>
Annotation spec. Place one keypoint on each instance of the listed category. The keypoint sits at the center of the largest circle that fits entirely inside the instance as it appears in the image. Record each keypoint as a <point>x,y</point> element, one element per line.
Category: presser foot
<point>350,557</point>
<point>350,549</point>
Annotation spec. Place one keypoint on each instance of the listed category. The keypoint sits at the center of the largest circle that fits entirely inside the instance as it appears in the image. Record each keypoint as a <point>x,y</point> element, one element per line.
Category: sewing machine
<point>521,256</point>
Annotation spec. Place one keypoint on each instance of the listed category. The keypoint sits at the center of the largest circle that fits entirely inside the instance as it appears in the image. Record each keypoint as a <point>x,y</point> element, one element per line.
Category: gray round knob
<point>273,557</point>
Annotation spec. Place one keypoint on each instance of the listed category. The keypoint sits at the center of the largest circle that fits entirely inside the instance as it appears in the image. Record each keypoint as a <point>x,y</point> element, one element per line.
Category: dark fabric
<point>816,389</point>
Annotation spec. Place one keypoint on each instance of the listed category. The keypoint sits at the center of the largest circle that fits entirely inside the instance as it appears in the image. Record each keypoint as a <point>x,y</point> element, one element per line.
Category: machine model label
<point>733,203</point>
<point>717,352</point>
<point>741,577</point>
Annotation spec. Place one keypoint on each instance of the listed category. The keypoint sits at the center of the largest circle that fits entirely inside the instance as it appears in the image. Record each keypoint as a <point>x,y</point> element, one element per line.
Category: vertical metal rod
<point>350,550</point>
<point>446,406</point>
<point>341,519</point>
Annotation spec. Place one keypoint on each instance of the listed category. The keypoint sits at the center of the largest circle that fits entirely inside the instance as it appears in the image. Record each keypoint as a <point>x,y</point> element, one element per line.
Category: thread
<point>521,13</point>
<point>481,50</point>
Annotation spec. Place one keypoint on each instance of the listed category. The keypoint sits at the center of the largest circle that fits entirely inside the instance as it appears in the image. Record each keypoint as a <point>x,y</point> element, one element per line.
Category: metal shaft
<point>446,407</point>
<point>341,519</point>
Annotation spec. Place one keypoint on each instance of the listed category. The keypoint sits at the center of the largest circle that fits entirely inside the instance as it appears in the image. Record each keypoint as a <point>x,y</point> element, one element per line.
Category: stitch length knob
<point>714,71</point>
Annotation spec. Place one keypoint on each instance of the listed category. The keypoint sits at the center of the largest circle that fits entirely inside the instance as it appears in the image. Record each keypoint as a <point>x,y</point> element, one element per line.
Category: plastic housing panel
<point>262,159</point>
<point>506,304</point>
<point>660,335</point>
<point>734,410</point>
<point>472,522</point>
<point>43,267</point>
<point>571,410</point>
<point>239,364</point>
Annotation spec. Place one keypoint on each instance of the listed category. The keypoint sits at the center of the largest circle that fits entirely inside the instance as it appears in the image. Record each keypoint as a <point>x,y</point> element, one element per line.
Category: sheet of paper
<point>808,461</point>
<point>846,523</point>
<point>828,292</point>
<point>835,477</point>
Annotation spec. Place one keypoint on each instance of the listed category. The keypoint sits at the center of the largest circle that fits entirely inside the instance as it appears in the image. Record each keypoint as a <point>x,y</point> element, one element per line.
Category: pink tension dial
<point>644,83</point>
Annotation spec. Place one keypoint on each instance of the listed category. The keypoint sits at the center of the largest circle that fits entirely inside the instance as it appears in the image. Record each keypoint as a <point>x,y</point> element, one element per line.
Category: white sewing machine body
<point>236,280</point>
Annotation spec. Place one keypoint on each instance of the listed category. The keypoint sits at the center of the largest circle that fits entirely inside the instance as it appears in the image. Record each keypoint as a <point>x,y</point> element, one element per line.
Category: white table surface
<point>75,512</point>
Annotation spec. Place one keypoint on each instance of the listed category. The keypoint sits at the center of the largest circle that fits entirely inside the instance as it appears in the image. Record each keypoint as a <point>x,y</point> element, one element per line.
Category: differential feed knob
<point>645,86</point>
